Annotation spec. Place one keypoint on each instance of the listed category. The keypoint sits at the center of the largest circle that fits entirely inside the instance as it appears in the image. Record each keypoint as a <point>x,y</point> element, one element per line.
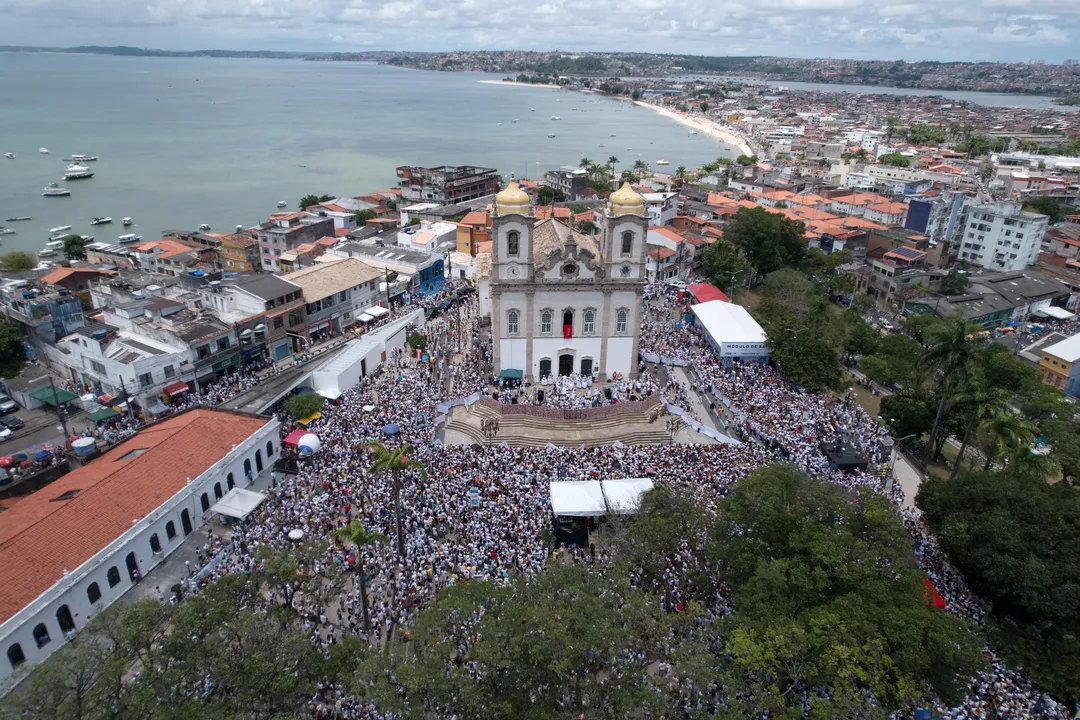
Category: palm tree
<point>681,172</point>
<point>359,537</point>
<point>1009,432</point>
<point>641,167</point>
<point>952,355</point>
<point>984,403</point>
<point>395,461</point>
<point>585,163</point>
<point>611,161</point>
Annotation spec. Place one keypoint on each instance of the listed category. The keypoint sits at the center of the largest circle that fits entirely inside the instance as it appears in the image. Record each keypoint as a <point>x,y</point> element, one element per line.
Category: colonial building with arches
<point>564,302</point>
<point>77,545</point>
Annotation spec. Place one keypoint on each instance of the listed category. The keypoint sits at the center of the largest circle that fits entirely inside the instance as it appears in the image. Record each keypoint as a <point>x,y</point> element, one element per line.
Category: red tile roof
<point>661,253</point>
<point>61,274</point>
<point>41,538</point>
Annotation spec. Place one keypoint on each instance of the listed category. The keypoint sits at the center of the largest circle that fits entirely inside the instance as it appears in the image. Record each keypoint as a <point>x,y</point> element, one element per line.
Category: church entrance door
<point>545,367</point>
<point>566,364</point>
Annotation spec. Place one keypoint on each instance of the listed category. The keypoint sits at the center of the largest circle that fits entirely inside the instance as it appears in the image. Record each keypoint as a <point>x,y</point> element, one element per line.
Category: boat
<point>556,117</point>
<point>78,172</point>
<point>51,248</point>
<point>59,237</point>
<point>87,239</point>
<point>126,221</point>
<point>662,162</point>
<point>101,220</point>
<point>62,228</point>
<point>17,219</point>
<point>43,151</point>
<point>82,158</point>
<point>693,132</point>
<point>551,135</point>
<point>48,252</point>
<point>281,203</point>
<point>205,227</point>
<point>6,231</point>
<point>129,238</point>
<point>54,190</point>
<point>514,120</point>
<point>611,135</point>
<point>9,156</point>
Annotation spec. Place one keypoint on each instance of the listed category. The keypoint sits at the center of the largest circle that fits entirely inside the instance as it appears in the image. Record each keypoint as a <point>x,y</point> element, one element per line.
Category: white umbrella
<point>296,534</point>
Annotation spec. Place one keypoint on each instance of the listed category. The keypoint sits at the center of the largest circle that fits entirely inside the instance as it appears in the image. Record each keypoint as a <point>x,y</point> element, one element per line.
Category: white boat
<point>101,221</point>
<point>281,203</point>
<point>43,151</point>
<point>48,252</point>
<point>514,120</point>
<point>556,117</point>
<point>59,237</point>
<point>611,135</point>
<point>550,135</point>
<point>205,227</point>
<point>6,231</point>
<point>662,162</point>
<point>87,238</point>
<point>51,248</point>
<point>17,219</point>
<point>9,156</point>
<point>129,238</point>
<point>78,172</point>
<point>62,228</point>
<point>83,158</point>
<point>126,221</point>
<point>693,132</point>
<point>54,190</point>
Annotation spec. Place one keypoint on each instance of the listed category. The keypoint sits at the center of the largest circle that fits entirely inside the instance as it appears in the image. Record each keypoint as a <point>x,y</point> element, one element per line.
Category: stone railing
<point>648,407</point>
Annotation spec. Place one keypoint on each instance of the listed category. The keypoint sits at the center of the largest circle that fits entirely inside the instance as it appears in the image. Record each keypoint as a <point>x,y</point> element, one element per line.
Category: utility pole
<point>127,399</point>
<point>386,278</point>
<point>59,410</point>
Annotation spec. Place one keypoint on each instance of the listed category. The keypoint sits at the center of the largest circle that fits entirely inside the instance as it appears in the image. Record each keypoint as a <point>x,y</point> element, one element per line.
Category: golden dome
<point>625,201</point>
<point>512,200</point>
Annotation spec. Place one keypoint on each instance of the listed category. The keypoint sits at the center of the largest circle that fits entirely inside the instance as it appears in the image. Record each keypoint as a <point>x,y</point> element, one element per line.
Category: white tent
<point>364,317</point>
<point>237,503</point>
<point>1055,312</point>
<point>624,495</point>
<point>577,499</point>
<point>377,312</point>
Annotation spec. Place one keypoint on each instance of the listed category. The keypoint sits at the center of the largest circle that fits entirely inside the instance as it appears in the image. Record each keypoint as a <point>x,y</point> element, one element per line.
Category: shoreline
<point>515,83</point>
<point>702,125</point>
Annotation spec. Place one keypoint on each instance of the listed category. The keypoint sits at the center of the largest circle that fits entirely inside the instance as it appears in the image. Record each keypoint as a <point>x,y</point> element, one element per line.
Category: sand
<point>515,83</point>
<point>702,125</point>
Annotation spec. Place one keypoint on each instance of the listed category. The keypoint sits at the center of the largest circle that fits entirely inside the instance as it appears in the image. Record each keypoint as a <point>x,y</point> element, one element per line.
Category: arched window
<point>41,635</point>
<point>627,242</point>
<point>15,656</point>
<point>63,617</point>
<point>269,448</point>
<point>545,322</point>
<point>205,502</point>
<point>258,460</point>
<point>513,243</point>
<point>155,544</point>
<point>512,322</point>
<point>620,322</point>
<point>247,467</point>
<point>113,576</point>
<point>93,592</point>
<point>588,323</point>
<point>229,481</point>
<point>170,529</point>
<point>217,491</point>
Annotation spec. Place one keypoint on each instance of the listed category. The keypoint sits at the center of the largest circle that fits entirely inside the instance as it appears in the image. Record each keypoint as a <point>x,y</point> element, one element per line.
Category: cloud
<point>909,29</point>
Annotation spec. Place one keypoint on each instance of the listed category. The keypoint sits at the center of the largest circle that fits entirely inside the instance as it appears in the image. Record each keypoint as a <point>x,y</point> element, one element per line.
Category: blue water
<point>185,141</point>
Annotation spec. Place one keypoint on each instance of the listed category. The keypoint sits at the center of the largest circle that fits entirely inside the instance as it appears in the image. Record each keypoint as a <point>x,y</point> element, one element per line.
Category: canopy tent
<point>1055,312</point>
<point>102,415</point>
<point>364,317</point>
<point>511,374</point>
<point>53,396</point>
<point>176,388</point>
<point>623,496</point>
<point>377,312</point>
<point>705,292</point>
<point>293,438</point>
<point>237,503</point>
<point>577,499</point>
<point>41,455</point>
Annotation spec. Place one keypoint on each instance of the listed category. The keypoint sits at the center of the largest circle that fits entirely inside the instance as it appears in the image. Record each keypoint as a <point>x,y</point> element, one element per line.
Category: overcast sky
<point>1005,30</point>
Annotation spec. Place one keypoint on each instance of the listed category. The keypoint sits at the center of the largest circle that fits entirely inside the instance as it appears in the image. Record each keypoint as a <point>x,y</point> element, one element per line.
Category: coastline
<point>702,125</point>
<point>515,83</point>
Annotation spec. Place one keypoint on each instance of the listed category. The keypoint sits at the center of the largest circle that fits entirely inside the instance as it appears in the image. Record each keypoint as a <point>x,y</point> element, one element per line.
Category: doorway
<point>586,367</point>
<point>545,368</point>
<point>185,520</point>
<point>566,364</point>
<point>133,567</point>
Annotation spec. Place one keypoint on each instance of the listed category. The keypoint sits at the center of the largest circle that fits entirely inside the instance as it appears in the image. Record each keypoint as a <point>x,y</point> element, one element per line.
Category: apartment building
<point>287,231</point>
<point>1001,236</point>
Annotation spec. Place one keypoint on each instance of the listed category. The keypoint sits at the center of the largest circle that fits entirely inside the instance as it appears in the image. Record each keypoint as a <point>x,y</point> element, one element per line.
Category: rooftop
<point>325,279</point>
<point>264,285</point>
<point>1068,349</point>
<point>42,537</point>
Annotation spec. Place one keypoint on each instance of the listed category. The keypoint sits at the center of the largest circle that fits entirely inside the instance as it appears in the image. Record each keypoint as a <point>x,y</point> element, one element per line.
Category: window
<point>343,295</point>
<point>93,592</point>
<point>217,491</point>
<point>169,371</point>
<point>627,242</point>
<point>113,576</point>
<point>222,344</point>
<point>204,352</point>
<point>229,481</point>
<point>146,379</point>
<point>41,635</point>
<point>155,544</point>
<point>620,322</point>
<point>513,243</point>
<point>589,322</point>
<point>15,656</point>
<point>170,529</point>
<point>204,500</point>
<point>512,322</point>
<point>247,468</point>
<point>1019,236</point>
<point>545,322</point>
<point>269,448</point>
<point>97,367</point>
<point>278,323</point>
<point>63,617</point>
<point>329,302</point>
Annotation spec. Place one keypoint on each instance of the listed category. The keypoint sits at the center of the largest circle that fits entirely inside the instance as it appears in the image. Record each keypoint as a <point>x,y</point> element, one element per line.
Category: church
<point>563,302</point>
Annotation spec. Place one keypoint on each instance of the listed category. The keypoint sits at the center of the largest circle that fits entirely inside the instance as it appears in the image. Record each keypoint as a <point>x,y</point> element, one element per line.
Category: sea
<point>187,141</point>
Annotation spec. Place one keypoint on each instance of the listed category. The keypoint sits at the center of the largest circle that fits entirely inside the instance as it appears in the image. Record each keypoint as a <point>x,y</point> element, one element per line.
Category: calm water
<point>188,141</point>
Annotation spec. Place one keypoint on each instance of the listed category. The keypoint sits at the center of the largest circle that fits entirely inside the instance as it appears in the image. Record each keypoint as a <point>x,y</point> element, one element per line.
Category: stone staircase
<point>528,431</point>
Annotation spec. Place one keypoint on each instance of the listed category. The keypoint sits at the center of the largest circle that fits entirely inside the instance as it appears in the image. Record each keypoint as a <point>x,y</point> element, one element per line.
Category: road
<point>266,393</point>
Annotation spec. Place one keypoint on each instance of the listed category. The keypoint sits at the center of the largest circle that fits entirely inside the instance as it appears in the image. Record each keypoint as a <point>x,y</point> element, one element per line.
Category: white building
<point>76,546</point>
<point>561,302</point>
<point>429,237</point>
<point>661,207</point>
<point>1001,236</point>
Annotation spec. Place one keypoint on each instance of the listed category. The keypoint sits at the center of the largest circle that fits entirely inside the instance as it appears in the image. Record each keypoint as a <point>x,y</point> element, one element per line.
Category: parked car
<point>12,422</point>
<point>7,405</point>
<point>676,284</point>
<point>5,434</point>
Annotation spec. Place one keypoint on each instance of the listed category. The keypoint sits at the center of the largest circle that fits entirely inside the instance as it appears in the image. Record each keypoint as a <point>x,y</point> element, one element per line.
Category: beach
<point>515,83</point>
<point>702,125</point>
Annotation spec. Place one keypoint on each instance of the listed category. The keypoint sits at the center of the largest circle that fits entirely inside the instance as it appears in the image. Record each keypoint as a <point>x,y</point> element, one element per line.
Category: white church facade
<point>563,302</point>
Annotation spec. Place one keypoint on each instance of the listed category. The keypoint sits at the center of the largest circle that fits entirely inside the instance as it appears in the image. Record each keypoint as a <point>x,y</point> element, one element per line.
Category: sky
<point>997,30</point>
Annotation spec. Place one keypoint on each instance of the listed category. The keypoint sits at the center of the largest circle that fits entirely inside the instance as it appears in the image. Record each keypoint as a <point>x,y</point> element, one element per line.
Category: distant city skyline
<point>974,30</point>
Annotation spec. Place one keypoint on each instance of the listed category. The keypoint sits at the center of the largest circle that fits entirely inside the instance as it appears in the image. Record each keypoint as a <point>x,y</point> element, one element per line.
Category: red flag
<point>567,331</point>
<point>932,597</point>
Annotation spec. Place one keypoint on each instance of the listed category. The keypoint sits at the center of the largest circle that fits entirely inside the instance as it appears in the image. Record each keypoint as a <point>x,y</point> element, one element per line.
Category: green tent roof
<point>102,415</point>
<point>46,395</point>
<point>511,374</point>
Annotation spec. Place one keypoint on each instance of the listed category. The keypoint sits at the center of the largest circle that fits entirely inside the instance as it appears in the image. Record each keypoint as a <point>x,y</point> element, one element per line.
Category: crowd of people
<point>450,539</point>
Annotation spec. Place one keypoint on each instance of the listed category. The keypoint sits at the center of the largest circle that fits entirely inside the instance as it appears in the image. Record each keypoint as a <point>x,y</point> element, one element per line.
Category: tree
<point>826,594</point>
<point>395,461</point>
<point>1015,540</point>
<point>895,160</point>
<point>704,107</point>
<point>951,354</point>
<point>361,539</point>
<point>954,283</point>
<point>12,350</point>
<point>1046,205</point>
<point>909,412</point>
<point>74,247</point>
<point>746,160</point>
<point>862,339</point>
<point>17,262</point>
<point>309,200</point>
<point>612,161</point>
<point>417,341</point>
<point>636,95</point>
<point>587,226</point>
<point>362,217</point>
<point>681,173</point>
<point>768,240</point>
<point>724,266</point>
<point>549,195</point>
<point>1008,432</point>
<point>304,405</point>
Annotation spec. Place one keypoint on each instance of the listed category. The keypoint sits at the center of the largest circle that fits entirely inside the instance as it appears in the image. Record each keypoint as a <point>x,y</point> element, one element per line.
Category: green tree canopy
<point>309,200</point>
<point>12,350</point>
<point>417,341</point>
<point>724,266</point>
<point>362,217</point>
<point>768,240</point>
<point>895,160</point>
<point>955,283</point>
<point>1046,205</point>
<point>549,195</point>
<point>74,247</point>
<point>304,405</point>
<point>18,261</point>
<point>909,412</point>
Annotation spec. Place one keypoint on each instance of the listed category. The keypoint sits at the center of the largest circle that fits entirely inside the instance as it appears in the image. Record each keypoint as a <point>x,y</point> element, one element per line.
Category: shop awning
<point>245,333</point>
<point>41,455</point>
<point>364,317</point>
<point>53,396</point>
<point>177,388</point>
<point>377,312</point>
<point>260,328</point>
<point>511,374</point>
<point>102,415</point>
<point>293,438</point>
<point>238,503</point>
<point>1055,312</point>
